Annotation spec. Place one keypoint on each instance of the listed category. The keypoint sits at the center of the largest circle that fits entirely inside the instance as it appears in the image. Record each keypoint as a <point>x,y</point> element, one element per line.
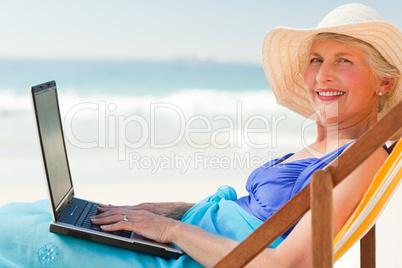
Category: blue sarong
<point>25,240</point>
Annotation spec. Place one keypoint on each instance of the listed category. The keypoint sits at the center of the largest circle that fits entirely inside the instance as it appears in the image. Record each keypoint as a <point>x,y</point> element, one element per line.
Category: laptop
<point>70,214</point>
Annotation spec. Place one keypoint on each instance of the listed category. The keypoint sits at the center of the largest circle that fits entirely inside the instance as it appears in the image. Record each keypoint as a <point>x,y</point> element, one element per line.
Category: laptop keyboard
<point>84,220</point>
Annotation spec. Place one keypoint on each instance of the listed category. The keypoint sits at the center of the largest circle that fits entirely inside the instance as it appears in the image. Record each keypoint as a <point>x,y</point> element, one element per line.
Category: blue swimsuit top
<point>273,184</point>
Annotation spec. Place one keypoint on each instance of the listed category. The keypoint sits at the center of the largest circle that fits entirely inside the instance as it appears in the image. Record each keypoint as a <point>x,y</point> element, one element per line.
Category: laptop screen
<point>52,141</point>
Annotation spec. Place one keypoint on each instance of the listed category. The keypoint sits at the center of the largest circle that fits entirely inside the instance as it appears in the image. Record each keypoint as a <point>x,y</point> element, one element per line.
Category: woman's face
<point>340,82</point>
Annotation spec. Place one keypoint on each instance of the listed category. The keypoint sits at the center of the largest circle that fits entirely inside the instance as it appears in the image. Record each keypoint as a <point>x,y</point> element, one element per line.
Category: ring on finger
<point>125,217</point>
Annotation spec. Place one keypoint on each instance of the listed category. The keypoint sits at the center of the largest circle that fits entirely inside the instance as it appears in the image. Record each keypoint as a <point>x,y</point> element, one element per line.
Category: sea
<point>178,126</point>
<point>138,131</point>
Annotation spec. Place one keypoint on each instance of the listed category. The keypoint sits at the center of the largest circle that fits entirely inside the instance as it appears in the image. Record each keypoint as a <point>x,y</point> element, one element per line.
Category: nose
<point>325,73</point>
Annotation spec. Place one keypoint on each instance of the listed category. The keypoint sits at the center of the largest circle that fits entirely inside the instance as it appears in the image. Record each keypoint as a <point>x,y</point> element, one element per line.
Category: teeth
<point>330,93</point>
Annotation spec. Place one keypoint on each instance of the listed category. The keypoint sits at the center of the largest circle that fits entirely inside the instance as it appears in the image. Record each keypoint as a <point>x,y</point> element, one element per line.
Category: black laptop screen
<point>52,142</point>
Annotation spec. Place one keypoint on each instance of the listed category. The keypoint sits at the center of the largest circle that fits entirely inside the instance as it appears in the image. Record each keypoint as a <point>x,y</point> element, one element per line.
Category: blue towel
<point>25,240</point>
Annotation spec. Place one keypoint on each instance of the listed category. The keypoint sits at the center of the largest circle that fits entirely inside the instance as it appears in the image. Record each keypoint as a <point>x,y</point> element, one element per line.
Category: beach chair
<point>318,196</point>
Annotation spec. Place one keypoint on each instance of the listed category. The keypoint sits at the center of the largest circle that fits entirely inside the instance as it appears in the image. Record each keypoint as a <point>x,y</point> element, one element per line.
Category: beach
<point>117,127</point>
<point>179,146</point>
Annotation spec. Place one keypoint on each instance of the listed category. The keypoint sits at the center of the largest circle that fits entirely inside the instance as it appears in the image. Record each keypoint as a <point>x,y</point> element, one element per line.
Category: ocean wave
<point>190,101</point>
<point>11,103</point>
<point>199,118</point>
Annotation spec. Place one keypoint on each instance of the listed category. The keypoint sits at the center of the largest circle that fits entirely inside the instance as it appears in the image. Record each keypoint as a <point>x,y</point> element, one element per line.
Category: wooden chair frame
<point>318,196</point>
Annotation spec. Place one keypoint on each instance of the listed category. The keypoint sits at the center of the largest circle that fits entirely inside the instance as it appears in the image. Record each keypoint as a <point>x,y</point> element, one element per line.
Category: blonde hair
<point>380,67</point>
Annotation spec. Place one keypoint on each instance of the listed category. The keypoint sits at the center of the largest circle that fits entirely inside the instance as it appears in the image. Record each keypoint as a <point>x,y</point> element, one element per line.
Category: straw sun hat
<point>285,50</point>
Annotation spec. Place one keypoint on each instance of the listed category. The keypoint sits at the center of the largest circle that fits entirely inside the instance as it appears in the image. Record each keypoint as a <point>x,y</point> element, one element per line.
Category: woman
<point>345,74</point>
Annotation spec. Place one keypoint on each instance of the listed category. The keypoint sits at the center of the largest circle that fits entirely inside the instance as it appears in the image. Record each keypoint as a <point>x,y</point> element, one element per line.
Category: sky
<point>156,30</point>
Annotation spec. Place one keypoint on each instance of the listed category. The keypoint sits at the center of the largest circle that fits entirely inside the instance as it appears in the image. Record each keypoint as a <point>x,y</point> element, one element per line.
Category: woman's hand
<point>141,222</point>
<point>174,210</point>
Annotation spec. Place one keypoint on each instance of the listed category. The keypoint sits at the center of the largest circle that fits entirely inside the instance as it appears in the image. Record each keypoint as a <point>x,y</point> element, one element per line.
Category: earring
<point>379,93</point>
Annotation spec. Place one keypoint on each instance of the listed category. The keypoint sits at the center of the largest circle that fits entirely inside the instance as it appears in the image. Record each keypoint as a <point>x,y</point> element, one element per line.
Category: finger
<point>108,219</point>
<point>108,206</point>
<point>102,208</point>
<point>112,212</point>
<point>121,225</point>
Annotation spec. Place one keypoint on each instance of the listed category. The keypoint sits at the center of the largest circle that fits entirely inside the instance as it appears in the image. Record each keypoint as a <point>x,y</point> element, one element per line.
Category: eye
<point>315,60</point>
<point>344,60</point>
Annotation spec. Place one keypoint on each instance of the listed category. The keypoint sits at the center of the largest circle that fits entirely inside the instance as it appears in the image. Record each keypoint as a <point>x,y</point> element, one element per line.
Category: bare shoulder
<point>371,165</point>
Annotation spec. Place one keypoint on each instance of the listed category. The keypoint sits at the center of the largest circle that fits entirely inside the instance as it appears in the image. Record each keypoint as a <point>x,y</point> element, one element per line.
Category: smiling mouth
<point>330,93</point>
